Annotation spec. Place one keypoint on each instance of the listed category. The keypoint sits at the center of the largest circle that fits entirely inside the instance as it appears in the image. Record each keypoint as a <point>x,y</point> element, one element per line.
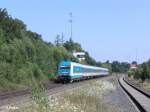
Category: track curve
<point>140,98</point>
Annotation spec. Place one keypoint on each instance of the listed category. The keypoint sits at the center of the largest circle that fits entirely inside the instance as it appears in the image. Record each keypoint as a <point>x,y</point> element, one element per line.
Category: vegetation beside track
<point>141,75</point>
<point>142,72</point>
<point>87,98</point>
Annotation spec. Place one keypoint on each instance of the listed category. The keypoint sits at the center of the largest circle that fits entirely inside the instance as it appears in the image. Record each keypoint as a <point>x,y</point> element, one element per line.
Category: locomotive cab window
<point>65,67</point>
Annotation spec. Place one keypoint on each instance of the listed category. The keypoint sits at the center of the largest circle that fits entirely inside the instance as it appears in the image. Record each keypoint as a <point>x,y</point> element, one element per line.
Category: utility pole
<point>70,21</point>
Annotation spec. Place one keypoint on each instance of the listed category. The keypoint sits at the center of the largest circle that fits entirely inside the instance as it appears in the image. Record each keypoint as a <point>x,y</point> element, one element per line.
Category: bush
<point>143,72</point>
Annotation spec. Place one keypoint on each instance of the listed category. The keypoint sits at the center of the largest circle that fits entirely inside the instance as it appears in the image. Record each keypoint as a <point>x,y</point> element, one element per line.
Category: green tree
<point>89,60</point>
<point>116,66</point>
<point>120,67</point>
<point>107,65</point>
<point>144,72</point>
<point>57,40</point>
<point>72,46</point>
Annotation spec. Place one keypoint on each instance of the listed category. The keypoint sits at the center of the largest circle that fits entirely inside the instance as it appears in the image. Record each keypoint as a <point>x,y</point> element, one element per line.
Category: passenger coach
<point>70,71</point>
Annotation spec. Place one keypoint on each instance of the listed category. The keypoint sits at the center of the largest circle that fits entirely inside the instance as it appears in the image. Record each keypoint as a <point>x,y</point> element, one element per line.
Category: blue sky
<point>107,29</point>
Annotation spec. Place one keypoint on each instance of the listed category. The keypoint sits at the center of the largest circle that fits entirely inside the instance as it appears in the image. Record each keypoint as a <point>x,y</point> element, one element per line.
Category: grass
<point>6,86</point>
<point>40,102</point>
<point>88,98</point>
<point>145,84</point>
<point>39,96</point>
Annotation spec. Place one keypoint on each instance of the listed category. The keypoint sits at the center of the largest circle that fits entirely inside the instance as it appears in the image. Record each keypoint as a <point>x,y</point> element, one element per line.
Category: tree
<point>3,14</point>
<point>116,66</point>
<point>124,67</point>
<point>89,60</point>
<point>144,72</point>
<point>98,64</point>
<point>107,61</point>
<point>108,66</point>
<point>62,38</point>
<point>121,67</point>
<point>134,63</point>
<point>57,40</point>
<point>1,37</point>
<point>72,46</point>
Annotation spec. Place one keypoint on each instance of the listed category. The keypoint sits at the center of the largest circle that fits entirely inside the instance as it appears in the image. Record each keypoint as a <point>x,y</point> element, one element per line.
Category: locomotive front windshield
<point>65,67</point>
<point>64,70</point>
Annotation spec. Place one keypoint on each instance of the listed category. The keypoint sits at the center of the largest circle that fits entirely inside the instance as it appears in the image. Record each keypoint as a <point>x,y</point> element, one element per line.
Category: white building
<point>133,66</point>
<point>79,55</point>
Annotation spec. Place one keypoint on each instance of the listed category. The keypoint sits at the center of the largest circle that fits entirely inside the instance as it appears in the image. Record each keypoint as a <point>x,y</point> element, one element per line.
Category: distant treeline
<point>116,66</point>
<point>142,72</point>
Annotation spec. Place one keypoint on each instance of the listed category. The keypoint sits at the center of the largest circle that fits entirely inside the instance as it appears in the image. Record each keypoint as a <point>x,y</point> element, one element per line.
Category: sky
<point>107,29</point>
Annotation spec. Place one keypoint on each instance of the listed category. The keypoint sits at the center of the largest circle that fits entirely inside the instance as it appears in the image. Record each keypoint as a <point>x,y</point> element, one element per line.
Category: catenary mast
<point>70,21</point>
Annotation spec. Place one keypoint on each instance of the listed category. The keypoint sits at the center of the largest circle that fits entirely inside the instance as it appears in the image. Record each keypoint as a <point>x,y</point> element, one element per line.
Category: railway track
<point>140,98</point>
<point>28,91</point>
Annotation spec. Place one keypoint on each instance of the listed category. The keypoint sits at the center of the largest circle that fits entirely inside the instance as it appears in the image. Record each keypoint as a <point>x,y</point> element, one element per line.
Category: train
<point>69,71</point>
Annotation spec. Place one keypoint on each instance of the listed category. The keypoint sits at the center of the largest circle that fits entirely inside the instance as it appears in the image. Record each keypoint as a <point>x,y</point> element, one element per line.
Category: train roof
<point>78,64</point>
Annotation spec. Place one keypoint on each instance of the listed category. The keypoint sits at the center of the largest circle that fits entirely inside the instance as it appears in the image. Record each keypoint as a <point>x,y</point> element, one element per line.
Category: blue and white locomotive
<point>70,71</point>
